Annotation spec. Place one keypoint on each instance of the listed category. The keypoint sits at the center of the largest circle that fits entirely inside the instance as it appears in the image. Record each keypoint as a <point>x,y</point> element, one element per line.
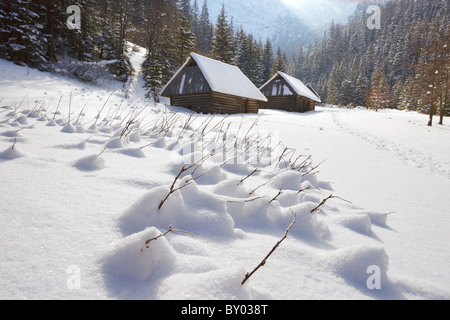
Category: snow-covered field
<point>83,171</point>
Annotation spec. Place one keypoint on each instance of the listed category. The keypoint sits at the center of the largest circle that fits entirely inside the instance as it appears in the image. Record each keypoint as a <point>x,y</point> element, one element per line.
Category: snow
<point>78,207</point>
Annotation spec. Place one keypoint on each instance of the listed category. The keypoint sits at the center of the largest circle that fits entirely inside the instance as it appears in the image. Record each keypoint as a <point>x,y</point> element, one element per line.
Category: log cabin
<point>208,86</point>
<point>285,92</point>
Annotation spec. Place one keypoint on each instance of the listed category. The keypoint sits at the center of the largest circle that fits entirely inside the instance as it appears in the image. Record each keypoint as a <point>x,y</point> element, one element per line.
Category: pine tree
<point>186,10</point>
<point>333,88</point>
<point>195,19</point>
<point>21,34</point>
<point>222,42</point>
<point>249,58</point>
<point>82,42</point>
<point>378,96</point>
<point>267,61</point>
<point>280,63</point>
<point>347,93</point>
<point>152,74</point>
<point>205,30</point>
<point>185,40</point>
<point>407,99</point>
<point>361,87</point>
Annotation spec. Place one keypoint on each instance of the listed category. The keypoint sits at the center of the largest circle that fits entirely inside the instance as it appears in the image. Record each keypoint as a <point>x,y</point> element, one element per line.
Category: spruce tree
<point>152,74</point>
<point>21,34</point>
<point>280,63</point>
<point>222,42</point>
<point>347,93</point>
<point>267,61</point>
<point>378,96</point>
<point>185,40</point>
<point>205,30</point>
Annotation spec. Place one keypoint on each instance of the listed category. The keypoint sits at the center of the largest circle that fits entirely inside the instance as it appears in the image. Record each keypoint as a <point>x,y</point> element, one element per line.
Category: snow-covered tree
<point>378,96</point>
<point>222,41</point>
<point>152,73</point>
<point>185,40</point>
<point>205,30</point>
<point>21,33</point>
<point>267,61</point>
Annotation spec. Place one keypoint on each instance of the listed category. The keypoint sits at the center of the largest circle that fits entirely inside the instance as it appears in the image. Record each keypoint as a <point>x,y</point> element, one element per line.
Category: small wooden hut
<point>285,92</point>
<point>210,86</point>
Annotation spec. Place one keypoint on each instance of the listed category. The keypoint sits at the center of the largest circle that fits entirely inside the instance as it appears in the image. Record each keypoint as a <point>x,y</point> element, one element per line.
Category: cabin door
<point>244,106</point>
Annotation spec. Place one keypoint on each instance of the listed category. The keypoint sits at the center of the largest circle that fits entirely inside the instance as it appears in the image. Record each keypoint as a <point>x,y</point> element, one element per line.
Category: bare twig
<point>243,179</point>
<point>245,201</point>
<point>280,192</point>
<point>325,200</point>
<point>312,169</point>
<point>303,189</point>
<point>263,262</point>
<point>188,182</point>
<point>147,243</point>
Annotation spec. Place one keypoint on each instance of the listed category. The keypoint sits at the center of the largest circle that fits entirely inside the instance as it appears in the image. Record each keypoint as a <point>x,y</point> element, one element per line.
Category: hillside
<point>288,24</point>
<point>84,171</point>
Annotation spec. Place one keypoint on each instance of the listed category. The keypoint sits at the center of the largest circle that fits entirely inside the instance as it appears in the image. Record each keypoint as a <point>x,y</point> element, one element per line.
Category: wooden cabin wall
<point>200,103</point>
<point>227,104</point>
<point>215,103</point>
<point>286,103</point>
<point>304,105</point>
<point>289,103</point>
<point>253,106</point>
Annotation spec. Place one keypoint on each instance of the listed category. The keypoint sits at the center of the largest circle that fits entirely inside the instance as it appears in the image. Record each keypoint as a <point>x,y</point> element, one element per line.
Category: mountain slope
<point>287,23</point>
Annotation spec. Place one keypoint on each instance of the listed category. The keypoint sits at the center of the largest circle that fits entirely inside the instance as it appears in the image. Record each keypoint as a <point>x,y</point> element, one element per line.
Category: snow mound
<point>356,263</point>
<point>356,222</point>
<point>10,154</point>
<point>291,180</point>
<point>308,224</point>
<point>221,284</point>
<point>133,259</point>
<point>90,163</point>
<point>68,128</point>
<point>11,133</point>
<point>133,152</point>
<point>189,209</point>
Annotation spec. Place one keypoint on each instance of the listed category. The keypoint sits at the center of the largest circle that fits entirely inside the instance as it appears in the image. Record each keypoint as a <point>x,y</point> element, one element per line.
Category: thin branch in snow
<point>147,243</point>
<point>325,200</point>
<point>263,262</point>
<point>280,192</point>
<point>243,179</point>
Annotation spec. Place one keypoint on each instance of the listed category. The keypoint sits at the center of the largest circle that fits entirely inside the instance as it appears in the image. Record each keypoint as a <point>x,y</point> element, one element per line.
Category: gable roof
<point>296,85</point>
<point>222,78</point>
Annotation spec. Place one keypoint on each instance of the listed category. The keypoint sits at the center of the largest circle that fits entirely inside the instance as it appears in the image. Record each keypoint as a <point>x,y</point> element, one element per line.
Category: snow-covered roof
<point>299,87</point>
<point>224,78</point>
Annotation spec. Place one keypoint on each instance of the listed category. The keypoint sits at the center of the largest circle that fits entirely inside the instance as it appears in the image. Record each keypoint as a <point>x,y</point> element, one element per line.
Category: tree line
<point>404,65</point>
<point>35,33</point>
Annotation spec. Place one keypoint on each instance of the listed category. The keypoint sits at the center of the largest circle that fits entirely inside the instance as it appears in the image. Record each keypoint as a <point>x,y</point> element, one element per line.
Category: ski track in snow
<point>410,156</point>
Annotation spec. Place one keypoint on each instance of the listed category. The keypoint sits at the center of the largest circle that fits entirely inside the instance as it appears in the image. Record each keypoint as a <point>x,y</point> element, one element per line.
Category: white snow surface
<point>81,186</point>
